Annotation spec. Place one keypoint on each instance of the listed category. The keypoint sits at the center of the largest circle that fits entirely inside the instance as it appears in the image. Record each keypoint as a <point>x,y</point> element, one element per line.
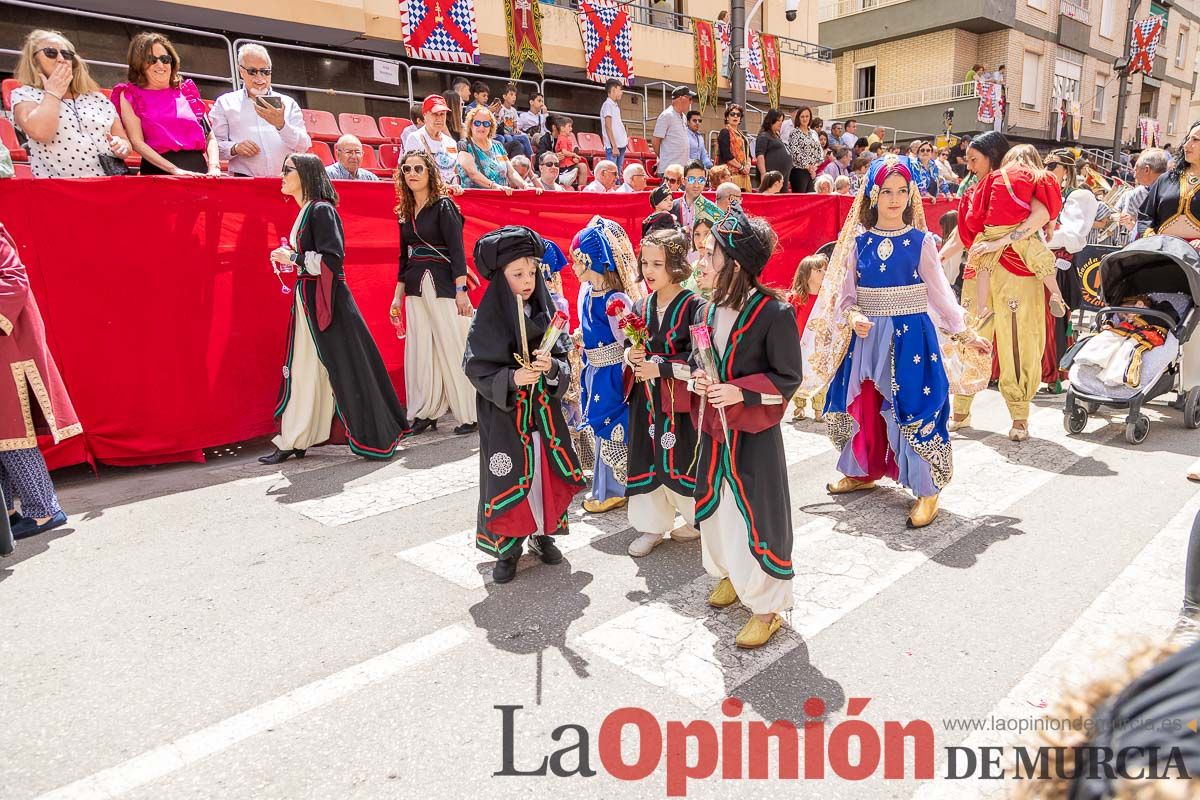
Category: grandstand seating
<point>394,128</point>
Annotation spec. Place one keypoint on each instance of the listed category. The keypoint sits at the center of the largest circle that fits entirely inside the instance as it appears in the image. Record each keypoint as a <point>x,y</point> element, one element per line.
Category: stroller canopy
<point>1151,264</point>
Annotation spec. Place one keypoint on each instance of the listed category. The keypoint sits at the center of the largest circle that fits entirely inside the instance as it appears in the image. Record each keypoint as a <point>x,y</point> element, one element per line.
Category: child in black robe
<point>662,436</point>
<point>528,470</point>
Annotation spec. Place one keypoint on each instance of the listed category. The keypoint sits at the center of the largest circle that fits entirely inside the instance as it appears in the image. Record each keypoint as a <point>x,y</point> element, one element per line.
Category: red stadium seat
<point>107,93</point>
<point>394,127</point>
<point>22,171</point>
<point>590,145</point>
<point>362,126</point>
<point>322,151</point>
<point>7,88</point>
<point>370,160</point>
<point>8,138</point>
<point>389,155</point>
<point>321,125</point>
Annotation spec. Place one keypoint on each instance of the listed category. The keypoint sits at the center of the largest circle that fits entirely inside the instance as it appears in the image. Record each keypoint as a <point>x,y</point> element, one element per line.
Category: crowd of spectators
<point>157,122</point>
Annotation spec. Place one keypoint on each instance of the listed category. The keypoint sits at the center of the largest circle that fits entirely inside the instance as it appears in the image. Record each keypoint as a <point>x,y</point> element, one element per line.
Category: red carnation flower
<point>615,307</point>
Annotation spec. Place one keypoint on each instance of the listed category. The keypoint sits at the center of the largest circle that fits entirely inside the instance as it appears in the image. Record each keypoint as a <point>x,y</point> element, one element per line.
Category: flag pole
<point>1122,68</point>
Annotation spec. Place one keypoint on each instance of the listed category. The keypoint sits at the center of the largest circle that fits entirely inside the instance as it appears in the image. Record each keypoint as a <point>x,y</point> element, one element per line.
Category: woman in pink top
<point>164,116</point>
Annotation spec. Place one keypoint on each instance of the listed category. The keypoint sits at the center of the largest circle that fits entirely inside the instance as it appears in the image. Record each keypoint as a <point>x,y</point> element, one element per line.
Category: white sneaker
<point>685,533</point>
<point>642,545</point>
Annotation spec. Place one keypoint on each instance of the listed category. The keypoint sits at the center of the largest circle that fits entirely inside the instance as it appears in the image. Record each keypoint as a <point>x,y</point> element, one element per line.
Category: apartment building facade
<point>324,51</point>
<point>903,64</point>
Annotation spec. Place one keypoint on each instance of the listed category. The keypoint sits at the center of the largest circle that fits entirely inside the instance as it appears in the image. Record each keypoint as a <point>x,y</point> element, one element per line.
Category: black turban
<point>741,242</point>
<point>660,193</point>
<point>659,221</point>
<point>497,249</point>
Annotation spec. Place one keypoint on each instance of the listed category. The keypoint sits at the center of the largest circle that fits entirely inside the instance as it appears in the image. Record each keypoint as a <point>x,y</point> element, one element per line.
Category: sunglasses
<point>53,53</point>
<point>924,150</point>
<point>288,170</point>
<point>413,169</point>
<point>695,179</point>
<point>256,71</point>
<point>550,165</point>
<point>165,58</point>
<point>736,115</point>
<point>482,123</point>
<point>1053,164</point>
<point>673,181</point>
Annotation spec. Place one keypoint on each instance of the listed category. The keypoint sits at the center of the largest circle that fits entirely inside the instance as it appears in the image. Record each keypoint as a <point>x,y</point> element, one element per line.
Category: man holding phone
<point>255,128</point>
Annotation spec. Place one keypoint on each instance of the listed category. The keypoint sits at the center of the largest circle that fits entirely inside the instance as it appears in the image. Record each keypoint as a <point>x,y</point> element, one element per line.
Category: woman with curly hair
<point>437,310</point>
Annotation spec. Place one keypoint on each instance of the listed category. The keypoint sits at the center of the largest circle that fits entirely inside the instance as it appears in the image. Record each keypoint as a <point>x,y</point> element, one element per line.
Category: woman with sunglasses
<point>482,161</point>
<point>333,367</point>
<point>431,293</point>
<point>925,172</point>
<point>70,124</point>
<point>733,148</point>
<point>548,173</point>
<point>166,119</point>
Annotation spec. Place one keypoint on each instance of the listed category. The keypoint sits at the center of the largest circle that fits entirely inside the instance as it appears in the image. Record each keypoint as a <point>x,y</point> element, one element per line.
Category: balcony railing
<point>1076,10</point>
<point>833,9</point>
<point>890,102</point>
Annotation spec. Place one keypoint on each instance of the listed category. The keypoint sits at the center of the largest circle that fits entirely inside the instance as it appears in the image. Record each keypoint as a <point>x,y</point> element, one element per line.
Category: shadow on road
<point>28,548</point>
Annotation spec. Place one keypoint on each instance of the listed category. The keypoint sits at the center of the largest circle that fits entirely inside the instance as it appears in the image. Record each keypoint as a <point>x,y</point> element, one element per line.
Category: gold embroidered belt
<point>893,301</point>
<point>606,355</point>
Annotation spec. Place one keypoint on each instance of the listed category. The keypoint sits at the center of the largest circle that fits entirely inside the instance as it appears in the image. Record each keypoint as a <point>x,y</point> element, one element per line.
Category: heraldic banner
<point>607,40</point>
<point>440,30</point>
<point>524,18</point>
<point>772,70</point>
<point>1146,34</point>
<point>706,63</point>
<point>755,80</point>
<point>725,38</point>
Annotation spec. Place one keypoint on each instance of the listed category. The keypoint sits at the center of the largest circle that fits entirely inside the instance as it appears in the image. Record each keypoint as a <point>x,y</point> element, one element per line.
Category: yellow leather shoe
<point>756,633</point>
<point>724,595</point>
<point>601,506</point>
<point>956,424</point>
<point>924,511</point>
<point>847,485</point>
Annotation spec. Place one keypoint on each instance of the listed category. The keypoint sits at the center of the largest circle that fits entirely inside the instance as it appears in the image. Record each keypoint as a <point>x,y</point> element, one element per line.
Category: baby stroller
<point>1168,270</point>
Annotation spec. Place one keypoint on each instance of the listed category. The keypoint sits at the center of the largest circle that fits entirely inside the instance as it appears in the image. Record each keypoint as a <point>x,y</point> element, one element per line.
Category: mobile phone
<point>270,99</point>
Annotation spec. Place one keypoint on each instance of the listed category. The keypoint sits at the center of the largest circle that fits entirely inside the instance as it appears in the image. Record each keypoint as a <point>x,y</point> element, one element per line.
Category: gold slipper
<point>847,485</point>
<point>756,633</point>
<point>724,595</point>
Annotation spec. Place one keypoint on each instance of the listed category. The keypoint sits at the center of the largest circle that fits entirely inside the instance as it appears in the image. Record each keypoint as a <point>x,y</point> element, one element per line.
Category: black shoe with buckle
<point>422,425</point>
<point>545,549</point>
<point>505,569</point>
<point>279,456</point>
<point>465,428</point>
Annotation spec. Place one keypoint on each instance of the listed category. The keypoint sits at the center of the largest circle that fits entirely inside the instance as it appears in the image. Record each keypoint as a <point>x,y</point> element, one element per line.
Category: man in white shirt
<point>671,130</point>
<point>348,167</point>
<point>634,177</point>
<point>433,138</point>
<point>850,136</point>
<point>612,129</point>
<point>606,178</point>
<point>727,195</point>
<point>255,135</point>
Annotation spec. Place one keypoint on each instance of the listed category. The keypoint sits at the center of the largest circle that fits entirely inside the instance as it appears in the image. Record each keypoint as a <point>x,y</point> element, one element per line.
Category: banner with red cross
<point>755,79</point>
<point>772,69</point>
<point>607,40</point>
<point>725,37</point>
<point>440,30</point>
<point>1145,41</point>
<point>706,63</point>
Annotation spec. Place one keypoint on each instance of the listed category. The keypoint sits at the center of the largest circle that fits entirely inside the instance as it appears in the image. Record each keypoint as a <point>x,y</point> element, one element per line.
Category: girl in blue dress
<point>888,400</point>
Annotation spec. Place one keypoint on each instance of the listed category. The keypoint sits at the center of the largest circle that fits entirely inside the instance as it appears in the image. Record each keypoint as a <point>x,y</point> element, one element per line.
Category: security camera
<point>790,7</point>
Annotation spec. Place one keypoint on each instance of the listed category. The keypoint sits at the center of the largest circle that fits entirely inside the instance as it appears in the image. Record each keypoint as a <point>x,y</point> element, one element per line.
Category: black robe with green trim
<point>762,357</point>
<point>662,436</point>
<point>366,402</point>
<point>509,415</point>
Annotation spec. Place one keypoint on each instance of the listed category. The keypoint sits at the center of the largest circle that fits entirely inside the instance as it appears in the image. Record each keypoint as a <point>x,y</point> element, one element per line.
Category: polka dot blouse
<point>75,150</point>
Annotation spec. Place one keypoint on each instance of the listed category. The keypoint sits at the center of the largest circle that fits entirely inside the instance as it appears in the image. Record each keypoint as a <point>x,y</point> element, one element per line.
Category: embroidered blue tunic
<point>896,281</point>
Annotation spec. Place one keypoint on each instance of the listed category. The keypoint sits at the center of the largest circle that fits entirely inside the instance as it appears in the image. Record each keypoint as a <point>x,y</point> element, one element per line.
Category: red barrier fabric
<point>169,326</point>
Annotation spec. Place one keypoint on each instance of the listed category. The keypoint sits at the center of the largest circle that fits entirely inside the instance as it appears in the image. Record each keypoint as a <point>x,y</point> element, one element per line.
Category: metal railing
<point>896,100</point>
<point>231,79</point>
<point>1076,10</point>
<point>836,9</point>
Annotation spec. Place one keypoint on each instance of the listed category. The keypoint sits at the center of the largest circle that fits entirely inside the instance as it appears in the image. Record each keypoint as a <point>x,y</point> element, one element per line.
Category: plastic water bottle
<point>288,267</point>
<point>398,323</point>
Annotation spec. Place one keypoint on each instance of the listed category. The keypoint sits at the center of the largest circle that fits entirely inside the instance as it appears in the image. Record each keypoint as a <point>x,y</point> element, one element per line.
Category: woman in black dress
<point>770,153</point>
<point>431,291</point>
<point>333,366</point>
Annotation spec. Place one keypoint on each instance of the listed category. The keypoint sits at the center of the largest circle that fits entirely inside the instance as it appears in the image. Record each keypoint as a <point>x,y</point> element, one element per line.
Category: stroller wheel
<point>1136,431</point>
<point>1191,408</point>
<point>1075,419</point>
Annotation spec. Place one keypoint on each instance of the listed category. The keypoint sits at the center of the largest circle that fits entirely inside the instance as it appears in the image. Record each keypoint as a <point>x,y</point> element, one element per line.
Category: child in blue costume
<point>888,401</point>
<point>602,257</point>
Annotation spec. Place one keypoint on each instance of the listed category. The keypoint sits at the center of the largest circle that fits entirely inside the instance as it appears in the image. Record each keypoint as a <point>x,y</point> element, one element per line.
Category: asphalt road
<point>327,630</point>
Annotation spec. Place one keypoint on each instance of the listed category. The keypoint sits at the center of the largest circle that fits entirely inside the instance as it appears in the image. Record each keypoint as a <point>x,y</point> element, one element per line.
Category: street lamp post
<point>1122,69</point>
<point>737,36</point>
